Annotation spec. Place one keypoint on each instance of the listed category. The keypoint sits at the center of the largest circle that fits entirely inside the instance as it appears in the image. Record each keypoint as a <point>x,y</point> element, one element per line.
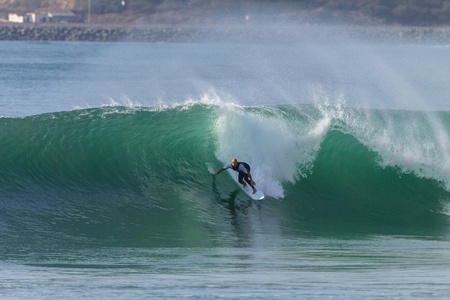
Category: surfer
<point>244,173</point>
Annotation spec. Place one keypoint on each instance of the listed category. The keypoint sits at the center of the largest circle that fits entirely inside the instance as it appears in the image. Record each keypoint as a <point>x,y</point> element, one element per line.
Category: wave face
<point>141,175</point>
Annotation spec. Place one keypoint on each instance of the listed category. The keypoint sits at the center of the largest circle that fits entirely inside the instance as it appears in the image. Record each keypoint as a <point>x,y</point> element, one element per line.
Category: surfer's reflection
<point>231,196</point>
<point>238,214</point>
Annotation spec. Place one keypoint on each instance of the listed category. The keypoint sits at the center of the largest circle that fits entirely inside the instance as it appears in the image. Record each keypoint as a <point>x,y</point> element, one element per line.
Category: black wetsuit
<point>243,169</point>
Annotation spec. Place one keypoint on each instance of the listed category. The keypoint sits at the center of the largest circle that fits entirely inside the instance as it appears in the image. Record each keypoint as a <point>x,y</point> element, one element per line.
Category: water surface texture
<point>106,152</point>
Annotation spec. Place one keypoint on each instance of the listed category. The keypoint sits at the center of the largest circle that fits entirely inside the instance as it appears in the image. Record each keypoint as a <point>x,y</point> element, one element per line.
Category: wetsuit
<point>243,169</point>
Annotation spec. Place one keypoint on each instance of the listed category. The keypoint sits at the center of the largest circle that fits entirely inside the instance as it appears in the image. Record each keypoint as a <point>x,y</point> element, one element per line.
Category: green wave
<point>142,174</point>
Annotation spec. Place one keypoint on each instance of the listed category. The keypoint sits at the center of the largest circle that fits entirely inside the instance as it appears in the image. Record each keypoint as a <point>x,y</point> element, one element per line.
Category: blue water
<point>106,150</point>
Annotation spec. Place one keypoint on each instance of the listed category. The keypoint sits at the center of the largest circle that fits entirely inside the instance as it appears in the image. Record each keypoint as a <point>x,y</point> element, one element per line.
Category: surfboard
<point>259,195</point>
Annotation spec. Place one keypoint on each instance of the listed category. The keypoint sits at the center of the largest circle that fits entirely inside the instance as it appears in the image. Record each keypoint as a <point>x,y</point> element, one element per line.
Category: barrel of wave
<point>279,142</point>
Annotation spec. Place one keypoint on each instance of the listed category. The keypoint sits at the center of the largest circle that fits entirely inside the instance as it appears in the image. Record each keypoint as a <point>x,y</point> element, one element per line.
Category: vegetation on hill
<point>403,12</point>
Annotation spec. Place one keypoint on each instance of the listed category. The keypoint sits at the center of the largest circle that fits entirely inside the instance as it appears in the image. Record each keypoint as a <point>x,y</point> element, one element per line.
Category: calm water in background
<point>106,151</point>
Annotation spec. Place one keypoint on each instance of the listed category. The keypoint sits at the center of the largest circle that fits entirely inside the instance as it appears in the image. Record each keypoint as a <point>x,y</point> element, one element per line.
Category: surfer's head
<point>234,162</point>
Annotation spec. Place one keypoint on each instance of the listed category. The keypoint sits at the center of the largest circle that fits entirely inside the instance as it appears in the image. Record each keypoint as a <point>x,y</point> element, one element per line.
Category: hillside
<point>199,12</point>
<point>33,5</point>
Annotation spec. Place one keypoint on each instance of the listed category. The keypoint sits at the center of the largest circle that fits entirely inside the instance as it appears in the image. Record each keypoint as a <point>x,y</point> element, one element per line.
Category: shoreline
<point>241,34</point>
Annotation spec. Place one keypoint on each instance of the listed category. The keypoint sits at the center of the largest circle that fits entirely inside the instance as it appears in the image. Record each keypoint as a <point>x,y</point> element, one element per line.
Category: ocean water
<point>106,151</point>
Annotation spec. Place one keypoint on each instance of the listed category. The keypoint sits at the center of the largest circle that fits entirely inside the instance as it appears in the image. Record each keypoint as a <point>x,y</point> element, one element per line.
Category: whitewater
<point>106,152</point>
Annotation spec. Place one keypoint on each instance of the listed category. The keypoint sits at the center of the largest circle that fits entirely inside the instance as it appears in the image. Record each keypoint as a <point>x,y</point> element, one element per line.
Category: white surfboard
<point>259,195</point>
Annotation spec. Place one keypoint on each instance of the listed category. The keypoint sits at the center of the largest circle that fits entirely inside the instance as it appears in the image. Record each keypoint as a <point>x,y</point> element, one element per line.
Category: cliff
<point>198,12</point>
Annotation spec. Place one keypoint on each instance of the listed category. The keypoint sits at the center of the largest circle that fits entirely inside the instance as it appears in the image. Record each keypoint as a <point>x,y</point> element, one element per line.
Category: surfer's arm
<point>221,169</point>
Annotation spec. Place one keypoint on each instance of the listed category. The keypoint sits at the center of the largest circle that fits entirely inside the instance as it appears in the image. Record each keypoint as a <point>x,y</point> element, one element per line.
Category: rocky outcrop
<point>69,32</point>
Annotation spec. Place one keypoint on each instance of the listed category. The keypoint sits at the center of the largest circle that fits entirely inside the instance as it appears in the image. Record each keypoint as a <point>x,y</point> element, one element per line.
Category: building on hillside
<point>62,17</point>
<point>50,17</point>
<point>15,18</point>
<point>36,18</point>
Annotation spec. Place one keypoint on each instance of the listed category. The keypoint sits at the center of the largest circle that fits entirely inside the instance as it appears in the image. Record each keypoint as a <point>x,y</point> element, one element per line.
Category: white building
<point>15,18</point>
<point>51,17</point>
<point>36,18</point>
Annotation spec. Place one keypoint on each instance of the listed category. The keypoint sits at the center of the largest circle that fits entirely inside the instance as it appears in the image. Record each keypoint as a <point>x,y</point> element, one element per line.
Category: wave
<point>112,163</point>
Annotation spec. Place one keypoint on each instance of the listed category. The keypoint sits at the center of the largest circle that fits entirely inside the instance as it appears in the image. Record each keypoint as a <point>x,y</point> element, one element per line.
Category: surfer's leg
<point>241,178</point>
<point>247,180</point>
